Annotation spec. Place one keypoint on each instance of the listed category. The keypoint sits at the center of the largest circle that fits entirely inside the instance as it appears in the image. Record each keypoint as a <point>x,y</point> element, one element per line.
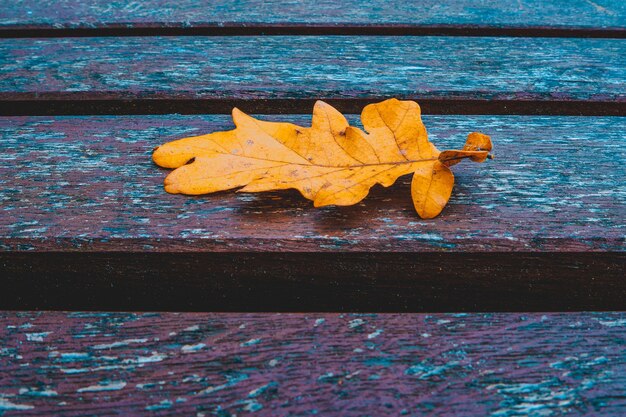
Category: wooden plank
<point>218,70</point>
<point>88,183</point>
<point>78,364</point>
<point>516,231</point>
<point>98,13</point>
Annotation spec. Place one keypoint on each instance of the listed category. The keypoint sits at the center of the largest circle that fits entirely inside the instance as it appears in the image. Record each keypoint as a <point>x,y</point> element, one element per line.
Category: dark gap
<point>113,106</point>
<point>302,282</point>
<point>306,29</point>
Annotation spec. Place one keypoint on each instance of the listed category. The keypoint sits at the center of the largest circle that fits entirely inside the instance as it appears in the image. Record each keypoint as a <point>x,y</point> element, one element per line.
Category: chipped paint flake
<point>613,323</point>
<point>375,334</point>
<point>353,324</point>
<point>163,405</point>
<point>258,391</point>
<point>33,392</point>
<point>119,344</point>
<point>250,342</point>
<point>37,337</point>
<point>6,405</point>
<point>110,386</point>
<point>192,348</point>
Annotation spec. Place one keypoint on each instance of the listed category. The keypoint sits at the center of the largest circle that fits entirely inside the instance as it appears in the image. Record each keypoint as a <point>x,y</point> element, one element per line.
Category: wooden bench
<point>478,295</point>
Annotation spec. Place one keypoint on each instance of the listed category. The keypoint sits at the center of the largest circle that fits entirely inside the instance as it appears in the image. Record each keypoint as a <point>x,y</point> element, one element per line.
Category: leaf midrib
<point>396,163</point>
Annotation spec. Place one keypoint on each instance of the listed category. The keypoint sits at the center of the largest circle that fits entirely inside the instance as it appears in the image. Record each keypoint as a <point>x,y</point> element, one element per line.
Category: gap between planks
<point>252,29</point>
<point>62,104</point>
<point>313,282</point>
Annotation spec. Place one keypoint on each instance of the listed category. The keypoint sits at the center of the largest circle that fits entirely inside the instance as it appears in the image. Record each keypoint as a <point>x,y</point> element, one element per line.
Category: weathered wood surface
<point>312,67</point>
<point>88,184</point>
<point>80,185</point>
<point>81,364</point>
<point>98,13</point>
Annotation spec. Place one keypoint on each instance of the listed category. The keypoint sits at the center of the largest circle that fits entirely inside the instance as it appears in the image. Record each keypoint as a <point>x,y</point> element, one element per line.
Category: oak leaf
<point>331,162</point>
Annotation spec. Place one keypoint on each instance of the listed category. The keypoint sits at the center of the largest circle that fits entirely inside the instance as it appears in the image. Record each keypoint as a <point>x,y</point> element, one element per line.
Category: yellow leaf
<point>431,188</point>
<point>330,162</point>
<point>477,147</point>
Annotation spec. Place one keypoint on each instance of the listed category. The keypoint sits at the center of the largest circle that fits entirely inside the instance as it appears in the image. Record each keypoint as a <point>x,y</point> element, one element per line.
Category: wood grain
<point>97,13</point>
<point>88,183</point>
<point>312,67</point>
<point>517,230</point>
<point>85,223</point>
<point>80,364</point>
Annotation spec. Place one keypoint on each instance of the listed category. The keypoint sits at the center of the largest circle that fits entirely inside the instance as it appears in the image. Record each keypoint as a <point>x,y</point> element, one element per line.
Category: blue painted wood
<point>311,67</point>
<point>93,13</point>
<point>506,365</point>
<point>88,183</point>
<point>85,184</point>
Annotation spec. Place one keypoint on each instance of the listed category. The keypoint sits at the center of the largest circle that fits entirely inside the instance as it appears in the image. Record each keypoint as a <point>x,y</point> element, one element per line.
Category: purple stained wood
<point>306,67</point>
<point>79,364</point>
<point>94,13</point>
<point>88,184</point>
